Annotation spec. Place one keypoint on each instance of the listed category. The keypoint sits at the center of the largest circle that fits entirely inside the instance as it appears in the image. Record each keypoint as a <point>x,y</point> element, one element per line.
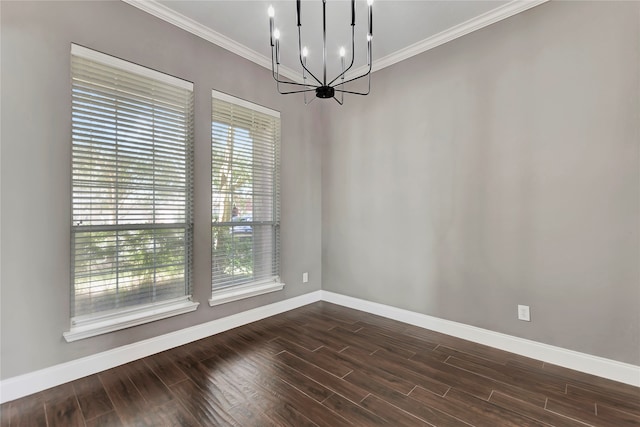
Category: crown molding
<point>474,24</point>
<point>498,14</point>
<point>172,17</point>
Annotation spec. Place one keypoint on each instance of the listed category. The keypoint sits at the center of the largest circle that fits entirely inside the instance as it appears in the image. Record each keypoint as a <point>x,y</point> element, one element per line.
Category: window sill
<point>236,293</point>
<point>90,326</point>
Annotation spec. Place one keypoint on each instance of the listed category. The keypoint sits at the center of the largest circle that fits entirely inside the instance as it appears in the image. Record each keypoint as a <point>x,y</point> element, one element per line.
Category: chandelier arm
<point>353,93</point>
<point>358,93</point>
<point>277,79</point>
<point>273,68</point>
<point>297,84</point>
<point>338,101</point>
<point>276,76</point>
<point>359,77</point>
<point>300,55</point>
<point>295,91</point>
<point>353,56</point>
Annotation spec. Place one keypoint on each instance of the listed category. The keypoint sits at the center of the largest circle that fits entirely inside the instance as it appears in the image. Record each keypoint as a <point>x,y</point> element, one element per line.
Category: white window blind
<point>245,194</point>
<point>132,186</point>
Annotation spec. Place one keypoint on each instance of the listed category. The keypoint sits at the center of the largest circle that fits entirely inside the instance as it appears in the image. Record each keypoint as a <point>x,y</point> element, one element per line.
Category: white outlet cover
<point>305,277</point>
<point>523,313</point>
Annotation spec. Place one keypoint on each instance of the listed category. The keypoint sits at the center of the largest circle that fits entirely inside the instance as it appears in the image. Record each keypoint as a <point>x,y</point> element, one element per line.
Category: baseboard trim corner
<point>33,382</point>
<point>602,367</point>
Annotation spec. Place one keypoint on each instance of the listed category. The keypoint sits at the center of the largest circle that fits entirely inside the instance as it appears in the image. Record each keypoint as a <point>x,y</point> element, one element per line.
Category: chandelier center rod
<point>324,40</point>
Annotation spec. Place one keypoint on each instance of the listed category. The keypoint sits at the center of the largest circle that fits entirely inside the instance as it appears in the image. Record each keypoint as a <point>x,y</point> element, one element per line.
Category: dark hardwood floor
<point>325,365</point>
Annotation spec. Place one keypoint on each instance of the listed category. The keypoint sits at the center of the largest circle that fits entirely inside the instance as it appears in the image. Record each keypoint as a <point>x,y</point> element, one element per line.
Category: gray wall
<point>36,178</point>
<point>496,170</point>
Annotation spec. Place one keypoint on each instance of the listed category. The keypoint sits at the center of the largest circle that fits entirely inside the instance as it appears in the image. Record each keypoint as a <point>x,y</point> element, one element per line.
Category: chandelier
<point>310,83</point>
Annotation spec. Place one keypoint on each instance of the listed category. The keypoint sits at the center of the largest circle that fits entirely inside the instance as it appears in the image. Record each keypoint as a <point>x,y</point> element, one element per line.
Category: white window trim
<point>83,52</point>
<point>90,326</point>
<point>244,103</point>
<point>235,293</point>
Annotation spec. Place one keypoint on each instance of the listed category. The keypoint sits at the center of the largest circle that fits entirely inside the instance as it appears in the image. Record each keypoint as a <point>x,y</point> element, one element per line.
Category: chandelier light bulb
<point>369,2</point>
<point>276,34</point>
<point>305,52</point>
<point>342,52</point>
<point>271,12</point>
<point>369,37</point>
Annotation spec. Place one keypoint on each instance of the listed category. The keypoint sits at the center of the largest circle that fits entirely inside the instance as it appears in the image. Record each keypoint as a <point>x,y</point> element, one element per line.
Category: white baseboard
<point>606,368</point>
<point>23,385</point>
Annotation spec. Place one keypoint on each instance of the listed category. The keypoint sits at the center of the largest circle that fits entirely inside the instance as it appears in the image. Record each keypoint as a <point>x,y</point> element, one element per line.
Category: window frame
<point>247,289</point>
<point>98,322</point>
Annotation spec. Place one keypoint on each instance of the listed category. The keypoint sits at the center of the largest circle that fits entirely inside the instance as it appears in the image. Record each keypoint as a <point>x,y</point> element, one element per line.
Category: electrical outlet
<point>305,277</point>
<point>523,313</point>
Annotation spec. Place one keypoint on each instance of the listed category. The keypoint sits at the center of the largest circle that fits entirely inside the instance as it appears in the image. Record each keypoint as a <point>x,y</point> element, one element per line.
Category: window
<point>132,186</point>
<point>245,199</point>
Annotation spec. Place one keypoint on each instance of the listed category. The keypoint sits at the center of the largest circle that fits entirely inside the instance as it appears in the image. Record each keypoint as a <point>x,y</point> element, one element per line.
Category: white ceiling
<point>401,28</point>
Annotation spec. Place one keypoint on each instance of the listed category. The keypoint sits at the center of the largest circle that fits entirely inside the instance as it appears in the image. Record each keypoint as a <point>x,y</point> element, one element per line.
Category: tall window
<point>132,160</point>
<point>245,199</point>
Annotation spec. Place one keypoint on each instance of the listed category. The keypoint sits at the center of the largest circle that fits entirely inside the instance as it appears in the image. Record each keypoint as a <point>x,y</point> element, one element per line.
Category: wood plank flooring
<point>326,365</point>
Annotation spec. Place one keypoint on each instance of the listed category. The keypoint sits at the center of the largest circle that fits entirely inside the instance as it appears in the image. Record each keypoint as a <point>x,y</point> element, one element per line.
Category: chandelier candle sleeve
<point>353,13</point>
<point>370,3</point>
<point>271,13</point>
